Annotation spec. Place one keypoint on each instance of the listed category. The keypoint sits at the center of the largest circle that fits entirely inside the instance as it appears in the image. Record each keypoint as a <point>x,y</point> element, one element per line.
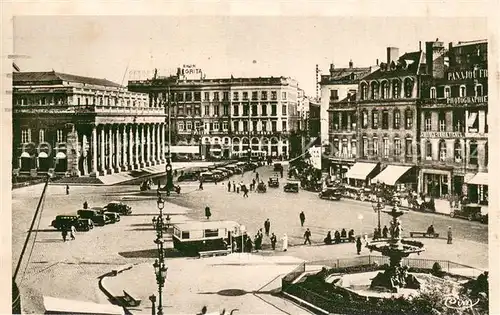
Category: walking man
<point>234,187</point>
<point>64,233</point>
<point>257,176</point>
<point>208,214</point>
<point>273,241</point>
<point>72,232</point>
<point>229,186</point>
<point>85,205</point>
<point>67,190</point>
<point>267,226</point>
<point>302,217</point>
<point>201,184</point>
<point>450,235</point>
<point>245,191</point>
<point>358,245</point>
<point>307,237</point>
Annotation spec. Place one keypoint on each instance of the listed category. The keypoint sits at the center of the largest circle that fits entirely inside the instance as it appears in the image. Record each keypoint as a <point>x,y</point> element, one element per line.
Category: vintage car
<point>331,194</point>
<point>471,212</point>
<point>188,177</point>
<point>102,219</point>
<point>89,213</point>
<point>67,220</point>
<point>208,176</point>
<point>118,207</point>
<point>291,186</point>
<point>113,216</point>
<point>273,182</point>
<point>277,167</point>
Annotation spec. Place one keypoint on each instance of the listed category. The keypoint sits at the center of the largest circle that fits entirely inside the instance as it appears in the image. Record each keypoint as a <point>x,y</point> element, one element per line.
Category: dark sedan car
<point>118,207</point>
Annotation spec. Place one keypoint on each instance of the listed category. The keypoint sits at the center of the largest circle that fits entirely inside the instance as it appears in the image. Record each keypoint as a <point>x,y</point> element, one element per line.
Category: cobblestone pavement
<point>70,270</point>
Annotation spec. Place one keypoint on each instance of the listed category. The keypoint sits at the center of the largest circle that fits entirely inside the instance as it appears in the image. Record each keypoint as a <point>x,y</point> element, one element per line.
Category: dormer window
<point>463,91</point>
<point>433,92</point>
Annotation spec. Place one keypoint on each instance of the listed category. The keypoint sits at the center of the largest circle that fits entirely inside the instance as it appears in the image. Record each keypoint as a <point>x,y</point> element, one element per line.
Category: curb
<point>113,299</point>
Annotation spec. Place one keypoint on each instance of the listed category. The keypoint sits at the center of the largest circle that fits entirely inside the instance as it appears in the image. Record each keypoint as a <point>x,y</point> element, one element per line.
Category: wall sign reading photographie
<point>467,100</point>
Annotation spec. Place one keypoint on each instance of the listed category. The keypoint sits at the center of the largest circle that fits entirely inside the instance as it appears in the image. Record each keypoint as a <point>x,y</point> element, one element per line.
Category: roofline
<point>471,42</point>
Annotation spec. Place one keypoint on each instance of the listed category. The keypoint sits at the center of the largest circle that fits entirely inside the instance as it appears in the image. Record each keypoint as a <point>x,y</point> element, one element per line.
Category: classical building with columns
<point>81,126</point>
<point>227,116</point>
<point>453,120</point>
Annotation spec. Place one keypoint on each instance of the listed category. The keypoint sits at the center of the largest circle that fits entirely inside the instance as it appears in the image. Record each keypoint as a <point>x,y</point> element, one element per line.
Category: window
<point>442,121</point>
<point>207,96</point>
<point>216,96</point>
<point>189,111</point>
<point>408,87</point>
<point>207,126</point>
<point>226,110</point>
<point>78,101</point>
<point>385,119</point>
<point>457,148</point>
<point>447,92</point>
<point>180,97</point>
<point>189,96</point>
<point>386,148</point>
<point>408,147</point>
<point>478,89</point>
<point>254,95</point>
<point>41,135</point>
<point>236,96</point>
<point>463,91</point>
<point>197,96</point>
<point>264,125</point>
<point>375,146</point>
<point>216,110</point>
<point>397,119</point>
<point>245,110</point>
<point>283,126</point>
<point>197,125</point>
<point>364,91</point>
<point>254,110</point>
<point>442,150</point>
<point>59,135</point>
<point>427,121</point>
<point>334,95</point>
<point>283,95</point>
<point>216,126</point>
<point>254,125</point>
<point>364,153</point>
<point>26,136</point>
<point>207,110</point>
<point>236,110</point>
<point>274,110</point>
<point>180,126</point>
<point>473,121</point>
<point>263,96</point>
<point>264,110</point>
<point>428,150</point>
<point>185,235</point>
<point>274,95</point>
<point>374,90</point>
<point>245,96</point>
<point>235,125</point>
<point>374,119</point>
<point>433,92</point>
<point>283,110</point>
<point>396,89</point>
<point>211,233</point>
<point>189,125</point>
<point>353,148</point>
<point>245,126</point>
<point>343,150</point>
<point>473,153</point>
<point>225,96</point>
<point>224,126</point>
<point>408,119</point>
<point>397,147</point>
<point>364,115</point>
<point>273,126</point>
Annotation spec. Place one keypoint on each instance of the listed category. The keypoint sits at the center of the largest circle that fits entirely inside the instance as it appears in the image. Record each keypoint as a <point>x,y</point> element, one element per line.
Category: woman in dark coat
<point>208,214</point>
<point>358,245</point>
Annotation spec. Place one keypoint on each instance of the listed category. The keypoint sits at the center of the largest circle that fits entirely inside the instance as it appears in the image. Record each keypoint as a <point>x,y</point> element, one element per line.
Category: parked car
<point>331,194</point>
<point>273,182</point>
<point>470,212</point>
<point>67,220</point>
<point>118,207</point>
<point>277,167</point>
<point>88,213</point>
<point>188,176</point>
<point>102,220</point>
<point>291,187</point>
<point>115,217</point>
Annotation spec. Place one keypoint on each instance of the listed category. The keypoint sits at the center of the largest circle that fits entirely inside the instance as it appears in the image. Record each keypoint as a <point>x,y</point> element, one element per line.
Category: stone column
<point>148,144</point>
<point>158,144</point>
<point>103,151</point>
<point>130,146</point>
<point>142,144</point>
<point>117,149</point>
<point>124,149</point>
<point>94,151</point>
<point>110,146</point>
<point>153,144</point>
<point>162,142</point>
<point>136,145</point>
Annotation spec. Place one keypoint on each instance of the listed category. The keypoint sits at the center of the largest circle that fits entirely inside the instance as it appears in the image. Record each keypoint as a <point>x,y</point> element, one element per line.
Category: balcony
<point>90,109</point>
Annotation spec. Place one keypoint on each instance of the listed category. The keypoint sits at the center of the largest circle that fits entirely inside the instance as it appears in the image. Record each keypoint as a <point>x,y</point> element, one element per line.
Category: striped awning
<point>391,174</point>
<point>479,179</point>
<point>360,170</point>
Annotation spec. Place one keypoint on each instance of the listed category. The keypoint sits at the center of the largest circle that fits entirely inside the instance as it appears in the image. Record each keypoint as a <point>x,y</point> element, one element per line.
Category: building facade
<point>81,126</point>
<point>339,122</point>
<point>453,119</point>
<point>228,116</point>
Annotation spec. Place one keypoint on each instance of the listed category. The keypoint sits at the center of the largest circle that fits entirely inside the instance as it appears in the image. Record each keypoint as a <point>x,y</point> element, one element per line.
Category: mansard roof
<point>52,77</point>
<point>407,65</point>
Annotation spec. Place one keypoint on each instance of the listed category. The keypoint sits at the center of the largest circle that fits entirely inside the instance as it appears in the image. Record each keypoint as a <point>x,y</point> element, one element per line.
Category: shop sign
<point>468,74</point>
<point>467,100</point>
<point>442,134</point>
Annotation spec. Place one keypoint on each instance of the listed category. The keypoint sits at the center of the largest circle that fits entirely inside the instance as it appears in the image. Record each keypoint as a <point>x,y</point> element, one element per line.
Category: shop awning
<point>479,179</point>
<point>391,174</point>
<point>360,170</point>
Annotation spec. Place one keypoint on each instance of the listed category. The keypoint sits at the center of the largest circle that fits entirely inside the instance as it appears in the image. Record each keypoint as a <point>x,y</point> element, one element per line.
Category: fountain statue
<point>395,276</point>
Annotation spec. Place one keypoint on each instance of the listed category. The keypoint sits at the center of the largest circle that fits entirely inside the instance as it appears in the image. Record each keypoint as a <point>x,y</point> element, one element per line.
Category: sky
<point>112,47</point>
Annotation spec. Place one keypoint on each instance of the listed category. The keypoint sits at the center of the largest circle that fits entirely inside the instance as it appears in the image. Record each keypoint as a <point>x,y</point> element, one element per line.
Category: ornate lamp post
<point>160,224</point>
<point>377,207</point>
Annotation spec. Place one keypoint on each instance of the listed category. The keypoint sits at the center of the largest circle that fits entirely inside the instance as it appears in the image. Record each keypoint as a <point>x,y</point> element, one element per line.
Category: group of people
<point>338,236</point>
<point>71,230</point>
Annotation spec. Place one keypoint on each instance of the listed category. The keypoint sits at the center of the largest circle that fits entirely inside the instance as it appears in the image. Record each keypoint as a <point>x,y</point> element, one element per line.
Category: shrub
<point>437,270</point>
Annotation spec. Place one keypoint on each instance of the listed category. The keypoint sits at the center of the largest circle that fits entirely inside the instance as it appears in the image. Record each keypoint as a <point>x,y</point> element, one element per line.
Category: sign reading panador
<point>467,74</point>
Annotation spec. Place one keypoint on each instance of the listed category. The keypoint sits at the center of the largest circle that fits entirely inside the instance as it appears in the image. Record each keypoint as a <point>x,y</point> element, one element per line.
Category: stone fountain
<point>395,276</point>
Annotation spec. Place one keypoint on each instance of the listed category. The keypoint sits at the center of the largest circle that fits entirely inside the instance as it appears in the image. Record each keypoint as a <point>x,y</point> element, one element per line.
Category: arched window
<point>364,117</point>
<point>478,90</point>
<point>408,119</point>
<point>384,90</point>
<point>428,150</point>
<point>397,146</point>
<point>442,150</point>
<point>447,92</point>
<point>408,87</point>
<point>397,119</point>
<point>433,93</point>
<point>374,90</point>
<point>396,88</point>
<point>364,91</point>
<point>457,148</point>
<point>463,91</point>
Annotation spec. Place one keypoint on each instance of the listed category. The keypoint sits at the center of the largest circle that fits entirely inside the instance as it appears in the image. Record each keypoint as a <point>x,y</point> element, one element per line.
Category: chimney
<point>419,45</point>
<point>351,64</point>
<point>434,59</point>
<point>377,61</point>
<point>392,55</point>
<point>332,66</point>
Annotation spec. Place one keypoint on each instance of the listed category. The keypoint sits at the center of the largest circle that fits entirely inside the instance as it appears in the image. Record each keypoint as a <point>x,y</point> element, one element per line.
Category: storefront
<point>401,177</point>
<point>478,189</point>
<point>435,183</point>
<point>361,174</point>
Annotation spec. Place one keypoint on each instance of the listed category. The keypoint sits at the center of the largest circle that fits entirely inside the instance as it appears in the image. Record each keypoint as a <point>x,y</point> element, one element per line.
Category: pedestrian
<point>302,218</point>
<point>201,184</point>
<point>245,191</point>
<point>385,230</point>
<point>64,233</point>
<point>72,232</point>
<point>67,190</point>
<point>85,205</point>
<point>253,184</point>
<point>267,226</point>
<point>208,214</point>
<point>249,244</point>
<point>375,234</point>
<point>273,241</point>
<point>257,176</point>
<point>234,187</point>
<point>307,237</point>
<point>358,245</point>
<point>285,242</point>
<point>450,235</point>
<point>258,241</point>
<point>281,172</point>
<point>229,186</point>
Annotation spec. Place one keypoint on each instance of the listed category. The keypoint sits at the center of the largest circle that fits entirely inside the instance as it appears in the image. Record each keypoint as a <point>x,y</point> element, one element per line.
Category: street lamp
<point>377,207</point>
<point>159,224</point>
